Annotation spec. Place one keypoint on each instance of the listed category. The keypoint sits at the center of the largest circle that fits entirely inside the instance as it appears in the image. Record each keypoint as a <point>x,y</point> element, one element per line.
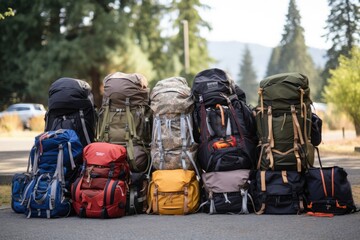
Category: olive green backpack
<point>283,118</point>
<point>124,117</point>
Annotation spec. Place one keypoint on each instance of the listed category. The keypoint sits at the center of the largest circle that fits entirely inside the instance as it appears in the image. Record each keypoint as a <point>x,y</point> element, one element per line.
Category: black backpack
<point>71,106</point>
<point>223,125</point>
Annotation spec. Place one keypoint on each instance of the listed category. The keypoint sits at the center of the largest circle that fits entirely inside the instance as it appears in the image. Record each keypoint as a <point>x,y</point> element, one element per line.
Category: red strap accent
<point>319,214</point>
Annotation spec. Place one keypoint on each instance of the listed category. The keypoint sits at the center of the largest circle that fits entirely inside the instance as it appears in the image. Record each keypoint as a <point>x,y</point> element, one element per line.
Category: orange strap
<point>284,177</point>
<point>263,182</point>
<point>319,214</point>
<point>270,128</point>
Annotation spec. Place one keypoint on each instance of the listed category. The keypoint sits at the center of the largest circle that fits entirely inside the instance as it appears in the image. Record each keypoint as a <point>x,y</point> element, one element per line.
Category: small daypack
<point>18,185</point>
<point>124,117</point>
<point>223,125</point>
<point>54,160</point>
<point>100,191</point>
<point>279,192</point>
<point>173,192</point>
<point>71,106</point>
<point>136,201</point>
<point>226,192</point>
<point>283,117</point>
<point>173,145</point>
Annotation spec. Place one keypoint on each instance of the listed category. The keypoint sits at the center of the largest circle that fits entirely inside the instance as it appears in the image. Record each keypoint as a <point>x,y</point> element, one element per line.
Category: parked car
<point>25,111</point>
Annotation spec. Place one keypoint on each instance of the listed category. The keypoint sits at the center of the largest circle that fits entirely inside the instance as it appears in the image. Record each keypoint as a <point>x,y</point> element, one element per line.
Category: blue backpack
<point>54,160</point>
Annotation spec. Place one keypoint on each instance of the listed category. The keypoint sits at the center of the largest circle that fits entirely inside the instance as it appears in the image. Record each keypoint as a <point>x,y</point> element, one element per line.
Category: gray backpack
<point>173,145</point>
<point>124,117</point>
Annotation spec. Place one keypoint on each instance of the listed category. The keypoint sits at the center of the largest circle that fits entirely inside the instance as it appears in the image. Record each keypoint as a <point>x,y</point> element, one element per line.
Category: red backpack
<point>100,191</point>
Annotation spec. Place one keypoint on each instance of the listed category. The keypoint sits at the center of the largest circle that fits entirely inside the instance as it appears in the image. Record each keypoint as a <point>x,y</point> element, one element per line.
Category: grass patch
<point>10,123</point>
<point>5,195</point>
<point>37,124</point>
<point>343,147</point>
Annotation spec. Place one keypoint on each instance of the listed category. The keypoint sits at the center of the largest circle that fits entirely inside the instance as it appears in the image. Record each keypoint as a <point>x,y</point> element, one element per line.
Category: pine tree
<point>247,77</point>
<point>293,55</point>
<point>198,51</point>
<point>343,25</point>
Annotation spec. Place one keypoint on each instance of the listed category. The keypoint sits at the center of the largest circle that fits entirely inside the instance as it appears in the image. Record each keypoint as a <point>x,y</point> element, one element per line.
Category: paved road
<point>13,158</point>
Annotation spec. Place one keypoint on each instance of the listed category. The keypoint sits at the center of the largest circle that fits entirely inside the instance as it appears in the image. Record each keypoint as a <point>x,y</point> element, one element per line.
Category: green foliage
<point>89,39</point>
<point>343,26</point>
<point>292,54</point>
<point>8,13</point>
<point>343,89</point>
<point>198,52</point>
<point>247,78</point>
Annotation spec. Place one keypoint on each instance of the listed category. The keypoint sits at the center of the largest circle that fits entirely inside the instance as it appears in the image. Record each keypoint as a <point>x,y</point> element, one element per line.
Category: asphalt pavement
<point>13,158</point>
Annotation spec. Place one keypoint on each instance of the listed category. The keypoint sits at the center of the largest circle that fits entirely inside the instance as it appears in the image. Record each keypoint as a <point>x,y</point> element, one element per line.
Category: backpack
<point>100,191</point>
<point>279,192</point>
<point>173,145</point>
<point>226,192</point>
<point>283,118</point>
<point>53,164</point>
<point>18,184</point>
<point>136,201</point>
<point>223,125</point>
<point>173,192</point>
<point>328,191</point>
<point>124,117</point>
<point>71,106</point>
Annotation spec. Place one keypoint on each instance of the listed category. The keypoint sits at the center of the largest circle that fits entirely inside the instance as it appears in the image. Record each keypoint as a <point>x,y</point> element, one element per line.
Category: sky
<point>262,21</point>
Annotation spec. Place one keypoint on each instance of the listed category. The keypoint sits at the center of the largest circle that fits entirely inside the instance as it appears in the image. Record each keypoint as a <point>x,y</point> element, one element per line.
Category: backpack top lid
<point>119,86</point>
<point>282,90</point>
<point>211,83</point>
<point>171,96</point>
<point>70,93</point>
<point>103,154</point>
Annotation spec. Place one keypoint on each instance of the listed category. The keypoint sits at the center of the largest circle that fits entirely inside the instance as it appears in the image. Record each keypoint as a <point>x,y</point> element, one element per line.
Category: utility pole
<point>186,46</point>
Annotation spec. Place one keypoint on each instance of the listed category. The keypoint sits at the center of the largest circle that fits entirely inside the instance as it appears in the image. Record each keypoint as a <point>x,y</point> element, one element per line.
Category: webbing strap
<point>86,134</point>
<point>244,194</point>
<point>73,166</point>
<point>260,92</point>
<point>157,123</point>
<point>130,134</point>
<point>270,128</point>
<point>105,123</point>
<point>332,182</point>
<point>270,156</point>
<point>284,177</point>
<point>297,136</point>
<point>190,128</point>
<point>263,181</point>
<point>186,199</point>
<point>204,130</point>
<point>34,193</point>
<point>302,92</point>
<point>183,140</point>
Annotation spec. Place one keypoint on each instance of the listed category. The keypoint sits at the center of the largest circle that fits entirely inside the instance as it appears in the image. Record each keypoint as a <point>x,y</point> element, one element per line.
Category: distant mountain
<point>229,54</point>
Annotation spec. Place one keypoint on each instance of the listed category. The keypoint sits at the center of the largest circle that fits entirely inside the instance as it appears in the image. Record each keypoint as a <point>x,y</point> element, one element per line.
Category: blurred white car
<point>25,111</point>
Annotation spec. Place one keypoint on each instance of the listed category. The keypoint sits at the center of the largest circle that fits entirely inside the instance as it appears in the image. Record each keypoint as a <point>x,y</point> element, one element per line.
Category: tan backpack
<point>173,145</point>
<point>124,117</point>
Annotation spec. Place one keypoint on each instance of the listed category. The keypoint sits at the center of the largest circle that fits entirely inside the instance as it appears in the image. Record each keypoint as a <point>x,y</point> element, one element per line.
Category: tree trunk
<point>357,127</point>
<point>96,86</point>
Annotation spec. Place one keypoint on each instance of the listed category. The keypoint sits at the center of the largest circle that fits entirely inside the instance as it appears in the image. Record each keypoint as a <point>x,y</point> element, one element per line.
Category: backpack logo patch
<point>212,85</point>
<point>100,154</point>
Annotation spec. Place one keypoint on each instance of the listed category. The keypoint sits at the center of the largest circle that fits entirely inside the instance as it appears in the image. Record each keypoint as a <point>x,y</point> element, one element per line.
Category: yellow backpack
<point>173,192</point>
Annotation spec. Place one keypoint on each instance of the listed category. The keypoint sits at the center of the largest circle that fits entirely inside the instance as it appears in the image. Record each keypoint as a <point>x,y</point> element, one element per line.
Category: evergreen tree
<point>81,39</point>
<point>247,78</point>
<point>272,67</point>
<point>343,25</point>
<point>198,51</point>
<point>293,55</point>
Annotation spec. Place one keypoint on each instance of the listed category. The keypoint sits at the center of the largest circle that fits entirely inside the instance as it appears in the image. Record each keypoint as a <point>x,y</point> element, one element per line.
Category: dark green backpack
<point>283,118</point>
